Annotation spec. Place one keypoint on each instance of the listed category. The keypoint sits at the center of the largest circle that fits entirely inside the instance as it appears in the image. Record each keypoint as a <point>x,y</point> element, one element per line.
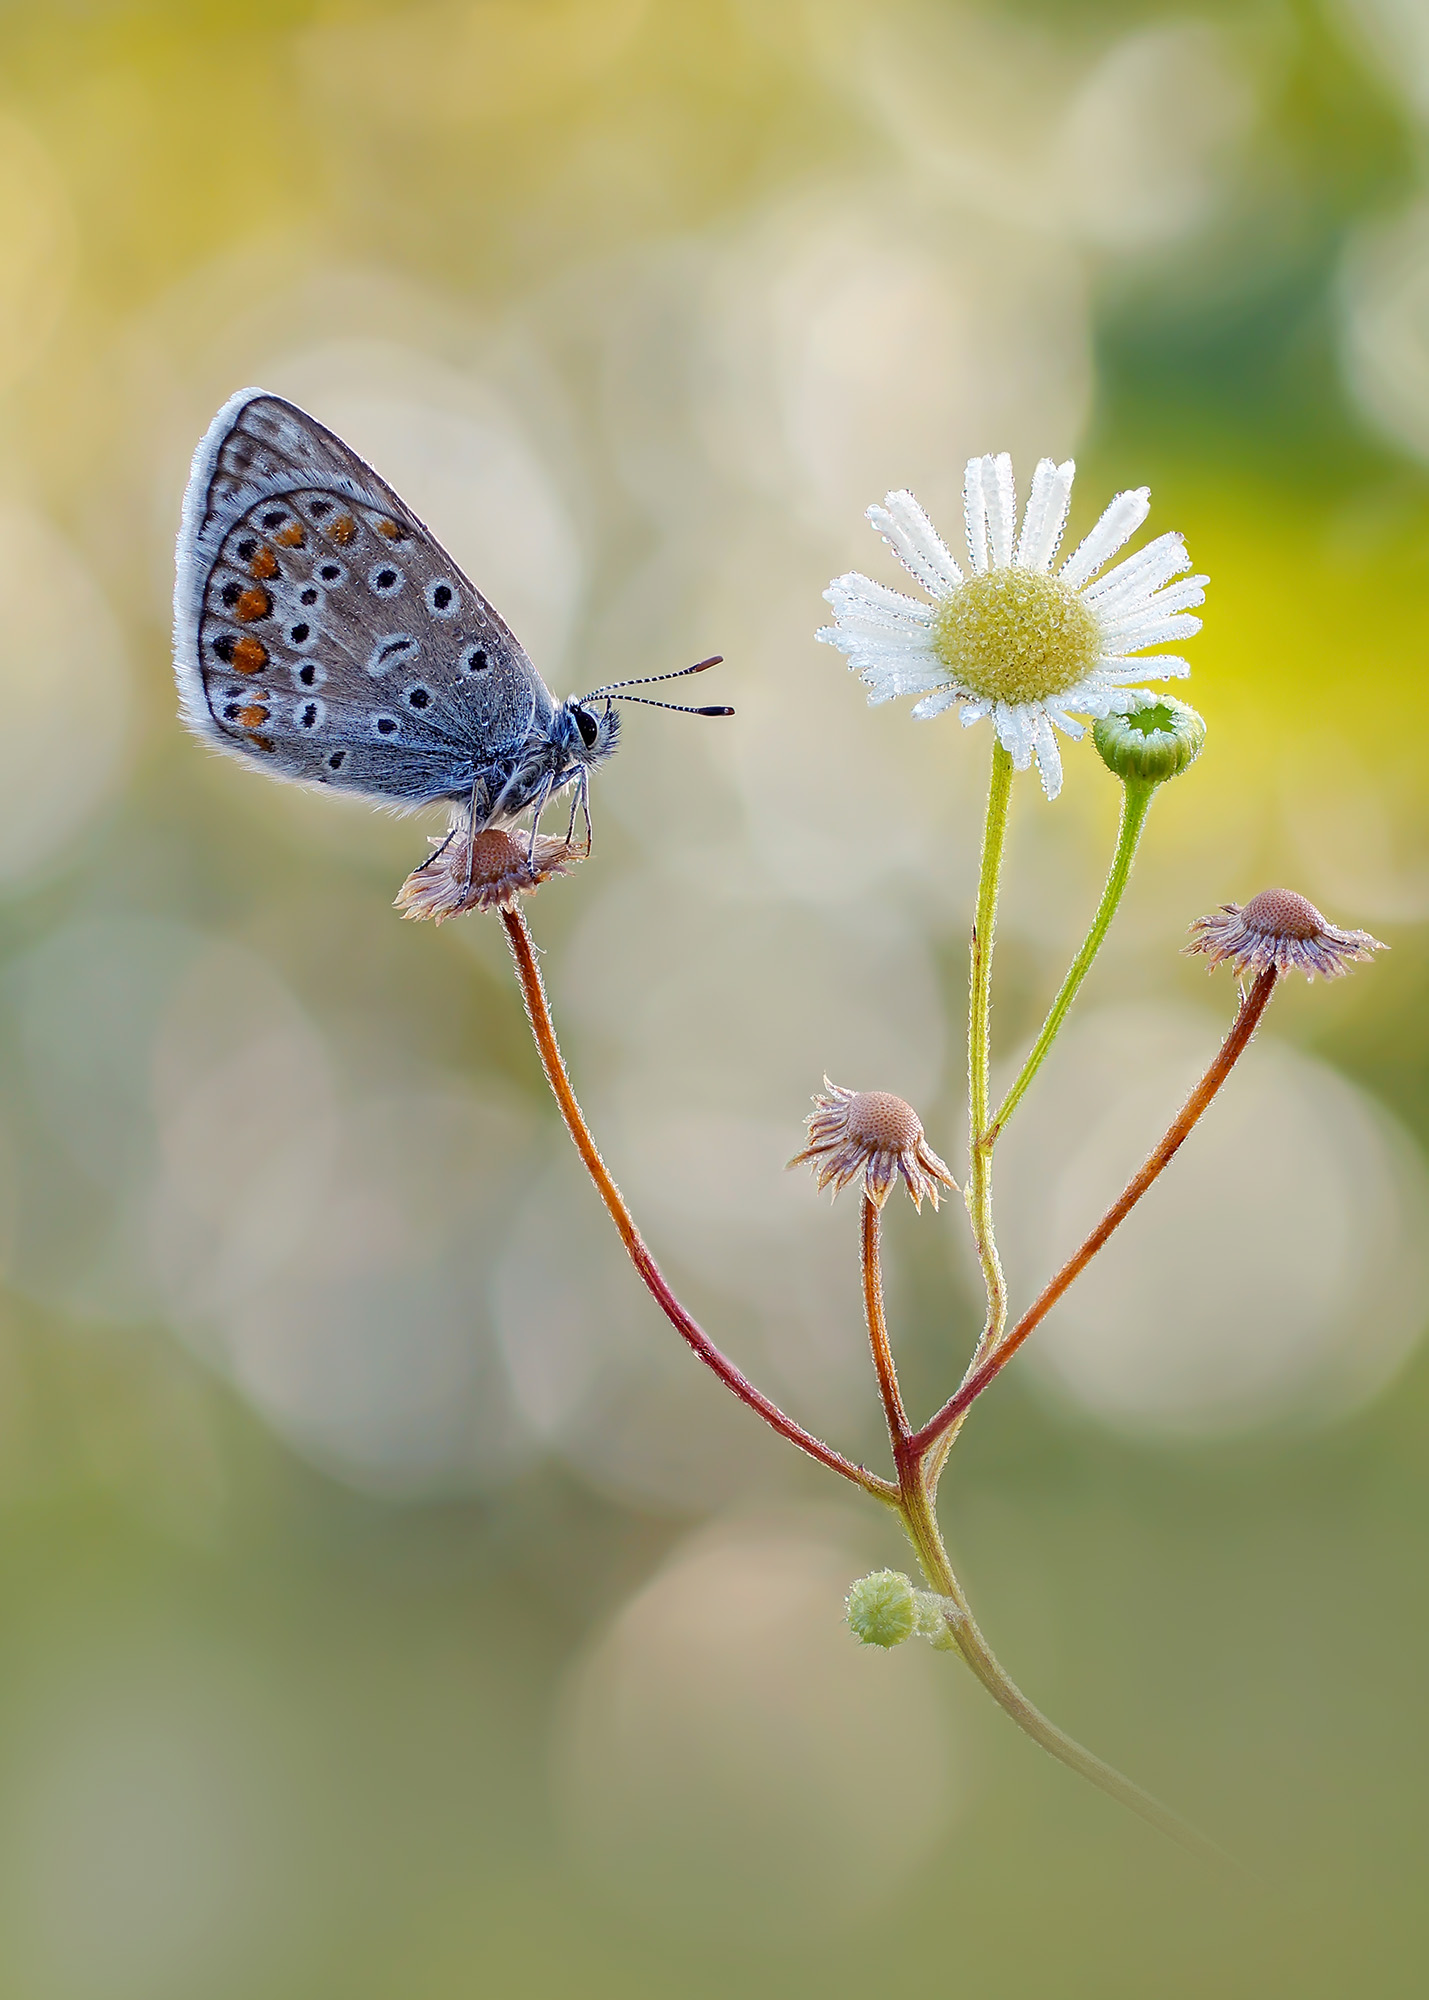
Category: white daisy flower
<point>1014,641</point>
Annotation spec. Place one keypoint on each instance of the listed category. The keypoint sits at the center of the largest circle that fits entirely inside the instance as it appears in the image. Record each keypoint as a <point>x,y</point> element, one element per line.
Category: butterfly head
<point>586,735</point>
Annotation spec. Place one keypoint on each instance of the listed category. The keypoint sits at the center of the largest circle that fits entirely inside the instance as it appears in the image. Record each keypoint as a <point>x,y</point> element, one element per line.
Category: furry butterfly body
<point>322,632</point>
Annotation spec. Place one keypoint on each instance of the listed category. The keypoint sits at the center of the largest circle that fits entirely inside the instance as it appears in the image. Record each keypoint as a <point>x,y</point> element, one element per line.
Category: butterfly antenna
<point>644,680</point>
<point>679,707</point>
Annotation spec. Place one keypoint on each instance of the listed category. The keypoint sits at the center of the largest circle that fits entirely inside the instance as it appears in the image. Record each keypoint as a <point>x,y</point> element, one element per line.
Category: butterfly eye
<point>587,725</point>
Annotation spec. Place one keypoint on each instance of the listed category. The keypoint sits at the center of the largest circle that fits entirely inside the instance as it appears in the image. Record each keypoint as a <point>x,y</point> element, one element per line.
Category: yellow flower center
<point>1016,635</point>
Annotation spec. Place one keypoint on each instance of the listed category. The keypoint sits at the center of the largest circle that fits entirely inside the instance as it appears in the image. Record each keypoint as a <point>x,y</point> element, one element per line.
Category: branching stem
<point>528,971</point>
<point>1252,1006</point>
<point>916,1505</point>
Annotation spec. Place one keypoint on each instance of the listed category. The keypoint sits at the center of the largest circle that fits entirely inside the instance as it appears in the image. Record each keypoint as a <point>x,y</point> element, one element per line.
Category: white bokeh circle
<point>1276,1273</point>
<point>727,1757</point>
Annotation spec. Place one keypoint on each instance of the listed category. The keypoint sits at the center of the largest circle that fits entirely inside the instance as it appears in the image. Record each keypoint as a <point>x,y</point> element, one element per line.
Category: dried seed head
<point>882,1609</point>
<point>1281,913</point>
<point>883,1123</point>
<point>487,873</point>
<point>1283,929</point>
<point>873,1133</point>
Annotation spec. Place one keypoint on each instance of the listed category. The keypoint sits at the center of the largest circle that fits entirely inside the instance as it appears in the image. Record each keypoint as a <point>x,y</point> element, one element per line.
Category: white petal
<point>1014,733</point>
<point>1116,526</point>
<point>1076,730</point>
<point>1158,667</point>
<point>1127,701</point>
<point>975,514</point>
<point>1140,574</point>
<point>974,711</point>
<point>1049,758</point>
<point>934,704</point>
<point>1089,697</point>
<point>1000,497</point>
<point>1046,514</point>
<point>1133,633</point>
<point>916,543</point>
<point>850,641</point>
<point>865,598</point>
<point>882,632</point>
<point>1182,596</point>
<point>893,679</point>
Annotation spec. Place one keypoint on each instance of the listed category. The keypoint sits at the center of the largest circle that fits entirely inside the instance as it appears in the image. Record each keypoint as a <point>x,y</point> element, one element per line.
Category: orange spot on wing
<point>343,529</point>
<point>249,655</point>
<point>392,531</point>
<point>253,716</point>
<point>290,537</point>
<point>253,603</point>
<point>264,564</point>
<point>262,743</point>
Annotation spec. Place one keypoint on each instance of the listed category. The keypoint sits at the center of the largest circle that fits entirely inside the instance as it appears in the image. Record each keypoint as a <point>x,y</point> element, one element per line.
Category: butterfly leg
<point>541,804</point>
<point>440,849</point>
<point>581,804</point>
<point>471,834</point>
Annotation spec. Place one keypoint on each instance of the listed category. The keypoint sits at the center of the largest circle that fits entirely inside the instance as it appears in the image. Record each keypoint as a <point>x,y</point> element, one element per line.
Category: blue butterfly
<point>321,631</point>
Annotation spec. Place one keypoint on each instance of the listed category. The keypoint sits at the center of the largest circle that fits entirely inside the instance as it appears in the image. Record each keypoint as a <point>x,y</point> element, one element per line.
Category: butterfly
<point>322,632</point>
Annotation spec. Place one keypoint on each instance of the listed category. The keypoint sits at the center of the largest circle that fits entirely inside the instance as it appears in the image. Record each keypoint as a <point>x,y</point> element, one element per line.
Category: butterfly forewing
<point>324,631</point>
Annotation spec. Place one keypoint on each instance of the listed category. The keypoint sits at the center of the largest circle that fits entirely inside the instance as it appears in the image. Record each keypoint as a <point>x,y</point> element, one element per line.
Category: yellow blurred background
<point>390,1606</point>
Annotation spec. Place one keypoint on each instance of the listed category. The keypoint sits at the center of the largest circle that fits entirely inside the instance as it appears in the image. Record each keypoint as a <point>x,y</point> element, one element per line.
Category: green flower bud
<point>1157,740</point>
<point>933,1625</point>
<point>882,1609</point>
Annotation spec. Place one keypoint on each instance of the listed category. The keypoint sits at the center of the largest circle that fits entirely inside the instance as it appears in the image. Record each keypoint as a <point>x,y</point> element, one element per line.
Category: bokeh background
<point>388,1605</point>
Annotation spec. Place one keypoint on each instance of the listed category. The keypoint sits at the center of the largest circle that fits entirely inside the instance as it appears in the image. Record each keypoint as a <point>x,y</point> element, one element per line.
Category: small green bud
<point>882,1609</point>
<point>1153,742</point>
<point>933,1620</point>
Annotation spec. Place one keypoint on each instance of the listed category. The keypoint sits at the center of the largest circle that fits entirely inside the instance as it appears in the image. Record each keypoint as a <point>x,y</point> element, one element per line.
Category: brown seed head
<point>873,1134</point>
<point>883,1123</point>
<point>1282,929</point>
<point>487,873</point>
<point>1281,913</point>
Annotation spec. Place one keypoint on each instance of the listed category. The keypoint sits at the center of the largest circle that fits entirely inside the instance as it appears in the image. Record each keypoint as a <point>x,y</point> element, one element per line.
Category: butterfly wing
<point>322,631</point>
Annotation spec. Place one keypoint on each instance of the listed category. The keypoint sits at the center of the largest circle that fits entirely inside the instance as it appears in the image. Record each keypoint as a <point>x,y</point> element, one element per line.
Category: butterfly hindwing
<point>322,630</point>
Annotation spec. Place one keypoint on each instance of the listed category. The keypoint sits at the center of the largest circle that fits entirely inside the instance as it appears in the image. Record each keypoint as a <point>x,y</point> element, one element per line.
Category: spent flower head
<point>873,1133</point>
<point>1283,929</point>
<point>1014,640</point>
<point>486,873</point>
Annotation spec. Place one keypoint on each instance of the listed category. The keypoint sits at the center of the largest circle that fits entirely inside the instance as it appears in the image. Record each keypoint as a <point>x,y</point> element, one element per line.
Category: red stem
<point>523,951</point>
<point>899,1429</point>
<point>1252,1006</point>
